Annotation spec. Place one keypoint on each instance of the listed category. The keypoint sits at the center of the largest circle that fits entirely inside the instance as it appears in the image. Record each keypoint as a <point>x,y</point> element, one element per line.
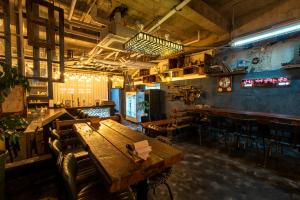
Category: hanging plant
<point>9,78</point>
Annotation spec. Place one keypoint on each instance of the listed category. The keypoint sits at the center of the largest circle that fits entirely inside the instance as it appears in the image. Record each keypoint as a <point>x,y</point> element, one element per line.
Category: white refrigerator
<point>132,109</point>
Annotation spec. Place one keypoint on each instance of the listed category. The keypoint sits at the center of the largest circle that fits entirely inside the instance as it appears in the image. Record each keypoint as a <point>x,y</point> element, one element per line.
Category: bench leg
<point>142,190</point>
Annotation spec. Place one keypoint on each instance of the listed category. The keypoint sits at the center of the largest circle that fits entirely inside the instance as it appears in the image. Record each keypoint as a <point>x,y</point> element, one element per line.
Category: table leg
<point>142,190</point>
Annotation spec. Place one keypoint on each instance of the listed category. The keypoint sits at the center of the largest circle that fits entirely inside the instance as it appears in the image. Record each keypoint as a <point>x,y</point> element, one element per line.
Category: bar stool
<point>203,123</point>
<point>245,130</point>
<point>220,126</point>
<point>282,135</point>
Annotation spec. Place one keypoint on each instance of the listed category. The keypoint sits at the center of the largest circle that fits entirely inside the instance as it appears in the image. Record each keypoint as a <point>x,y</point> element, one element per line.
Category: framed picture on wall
<point>224,84</point>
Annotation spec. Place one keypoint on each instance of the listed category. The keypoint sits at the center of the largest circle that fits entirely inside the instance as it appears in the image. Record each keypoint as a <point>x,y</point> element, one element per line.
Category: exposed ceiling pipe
<point>73,3</point>
<point>104,44</point>
<point>129,63</point>
<point>169,14</point>
<point>84,25</point>
<point>88,12</point>
<point>109,55</point>
<point>92,56</point>
<point>116,55</point>
<point>194,41</point>
<point>84,35</point>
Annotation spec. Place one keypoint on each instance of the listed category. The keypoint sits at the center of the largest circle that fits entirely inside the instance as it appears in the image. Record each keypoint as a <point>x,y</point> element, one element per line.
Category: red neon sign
<point>266,82</point>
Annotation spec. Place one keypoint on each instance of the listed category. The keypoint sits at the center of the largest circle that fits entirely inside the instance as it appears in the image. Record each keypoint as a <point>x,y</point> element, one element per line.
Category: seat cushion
<point>86,172</point>
<point>79,153</point>
<point>96,191</point>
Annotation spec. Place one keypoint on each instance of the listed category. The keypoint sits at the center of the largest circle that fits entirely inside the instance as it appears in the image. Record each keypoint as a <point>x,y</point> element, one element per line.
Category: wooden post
<point>20,38</point>
<point>6,21</point>
<point>61,45</point>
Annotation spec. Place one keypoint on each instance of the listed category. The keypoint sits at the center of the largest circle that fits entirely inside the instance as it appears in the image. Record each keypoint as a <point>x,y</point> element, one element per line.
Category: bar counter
<point>41,121</point>
<point>260,116</point>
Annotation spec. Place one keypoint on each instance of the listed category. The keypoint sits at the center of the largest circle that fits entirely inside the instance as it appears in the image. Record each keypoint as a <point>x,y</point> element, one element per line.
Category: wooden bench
<point>166,127</point>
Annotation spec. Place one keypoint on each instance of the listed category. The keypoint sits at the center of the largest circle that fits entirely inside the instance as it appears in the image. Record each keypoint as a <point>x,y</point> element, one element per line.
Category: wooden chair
<point>92,190</point>
<point>59,152</point>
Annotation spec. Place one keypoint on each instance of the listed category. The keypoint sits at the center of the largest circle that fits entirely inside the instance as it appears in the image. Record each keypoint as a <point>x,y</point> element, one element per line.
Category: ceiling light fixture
<point>267,34</point>
<point>151,45</point>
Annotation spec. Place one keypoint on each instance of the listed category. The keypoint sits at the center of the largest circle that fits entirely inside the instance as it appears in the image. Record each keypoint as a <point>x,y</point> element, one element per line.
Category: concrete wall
<point>277,100</point>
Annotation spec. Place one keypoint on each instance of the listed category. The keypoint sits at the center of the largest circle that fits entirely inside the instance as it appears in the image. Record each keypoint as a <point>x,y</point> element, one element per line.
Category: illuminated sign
<point>151,87</point>
<point>266,82</point>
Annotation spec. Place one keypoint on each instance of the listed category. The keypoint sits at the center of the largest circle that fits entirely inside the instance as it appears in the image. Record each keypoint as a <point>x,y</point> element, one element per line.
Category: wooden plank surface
<point>169,154</point>
<point>44,120</point>
<point>107,146</point>
<point>262,116</point>
<point>113,164</point>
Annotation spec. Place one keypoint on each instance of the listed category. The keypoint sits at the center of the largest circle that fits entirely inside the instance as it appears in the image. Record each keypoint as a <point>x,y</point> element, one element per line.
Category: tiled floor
<point>206,173</point>
<point>212,174</point>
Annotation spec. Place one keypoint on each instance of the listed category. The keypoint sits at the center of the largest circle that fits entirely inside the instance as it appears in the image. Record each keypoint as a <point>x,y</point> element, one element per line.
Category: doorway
<point>115,94</point>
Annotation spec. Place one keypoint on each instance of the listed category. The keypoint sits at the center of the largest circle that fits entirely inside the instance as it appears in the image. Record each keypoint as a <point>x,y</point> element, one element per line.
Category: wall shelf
<point>290,66</point>
<point>228,73</point>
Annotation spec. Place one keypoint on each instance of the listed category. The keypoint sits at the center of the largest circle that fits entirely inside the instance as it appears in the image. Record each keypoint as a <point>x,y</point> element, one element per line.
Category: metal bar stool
<point>203,123</point>
<point>245,132</point>
<point>282,135</point>
<point>220,126</point>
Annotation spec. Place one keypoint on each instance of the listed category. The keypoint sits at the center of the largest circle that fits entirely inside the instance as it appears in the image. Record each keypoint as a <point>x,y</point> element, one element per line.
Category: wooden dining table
<point>106,145</point>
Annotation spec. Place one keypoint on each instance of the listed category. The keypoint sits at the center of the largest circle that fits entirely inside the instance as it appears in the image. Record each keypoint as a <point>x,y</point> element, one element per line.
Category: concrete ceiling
<point>217,21</point>
<point>210,17</point>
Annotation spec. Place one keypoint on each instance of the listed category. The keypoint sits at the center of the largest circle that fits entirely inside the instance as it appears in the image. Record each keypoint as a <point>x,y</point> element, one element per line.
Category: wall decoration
<point>266,82</point>
<point>255,60</point>
<point>186,93</point>
<point>15,101</point>
<point>224,84</point>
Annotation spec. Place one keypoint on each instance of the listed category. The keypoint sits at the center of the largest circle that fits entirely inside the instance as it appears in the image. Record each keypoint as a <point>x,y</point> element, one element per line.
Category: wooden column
<point>6,21</point>
<point>61,45</point>
<point>20,38</point>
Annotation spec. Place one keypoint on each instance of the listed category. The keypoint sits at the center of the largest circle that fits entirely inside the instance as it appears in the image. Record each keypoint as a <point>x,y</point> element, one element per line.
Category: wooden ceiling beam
<point>205,16</point>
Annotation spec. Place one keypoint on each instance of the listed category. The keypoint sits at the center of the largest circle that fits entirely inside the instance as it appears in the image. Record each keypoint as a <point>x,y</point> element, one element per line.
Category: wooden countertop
<point>263,116</point>
<point>44,120</point>
<point>107,147</point>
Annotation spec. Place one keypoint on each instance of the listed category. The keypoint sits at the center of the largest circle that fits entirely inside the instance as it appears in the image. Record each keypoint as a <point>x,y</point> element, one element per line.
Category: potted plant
<point>9,132</point>
<point>9,125</point>
<point>144,106</point>
<point>9,78</point>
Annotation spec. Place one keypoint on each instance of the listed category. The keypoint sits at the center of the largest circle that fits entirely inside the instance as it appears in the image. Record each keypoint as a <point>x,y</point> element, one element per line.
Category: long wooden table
<point>261,116</point>
<point>107,147</point>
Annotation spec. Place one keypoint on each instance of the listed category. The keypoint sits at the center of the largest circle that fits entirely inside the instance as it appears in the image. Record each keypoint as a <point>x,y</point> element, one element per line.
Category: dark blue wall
<point>285,100</point>
<point>276,100</point>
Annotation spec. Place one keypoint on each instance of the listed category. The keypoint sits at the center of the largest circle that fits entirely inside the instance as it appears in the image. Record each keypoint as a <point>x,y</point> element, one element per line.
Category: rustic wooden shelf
<point>37,103</point>
<point>290,66</point>
<point>228,73</point>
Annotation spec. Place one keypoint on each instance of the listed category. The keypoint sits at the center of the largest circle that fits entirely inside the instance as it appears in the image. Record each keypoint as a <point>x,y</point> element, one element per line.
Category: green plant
<point>10,126</point>
<point>143,106</point>
<point>9,77</point>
